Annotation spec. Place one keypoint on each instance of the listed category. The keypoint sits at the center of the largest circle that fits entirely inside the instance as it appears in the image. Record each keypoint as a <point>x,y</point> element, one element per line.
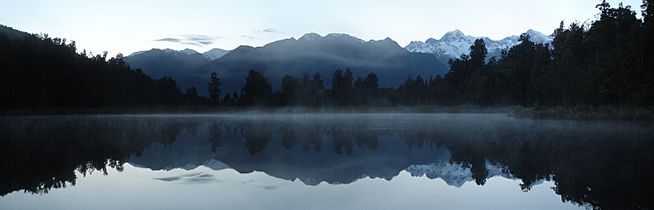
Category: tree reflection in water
<point>604,165</point>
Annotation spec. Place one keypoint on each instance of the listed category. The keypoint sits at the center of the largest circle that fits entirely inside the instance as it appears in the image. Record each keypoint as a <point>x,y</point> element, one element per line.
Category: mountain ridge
<point>313,53</point>
<point>455,43</point>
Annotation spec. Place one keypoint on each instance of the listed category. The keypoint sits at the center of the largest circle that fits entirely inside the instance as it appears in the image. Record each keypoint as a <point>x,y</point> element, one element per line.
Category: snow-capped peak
<point>420,47</point>
<point>454,35</point>
<point>455,43</point>
<point>538,37</point>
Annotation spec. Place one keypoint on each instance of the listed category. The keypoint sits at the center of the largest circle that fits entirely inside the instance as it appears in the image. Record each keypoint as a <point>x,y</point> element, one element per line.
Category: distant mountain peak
<point>168,62</point>
<point>215,53</point>
<point>188,51</point>
<point>344,36</point>
<point>538,37</point>
<point>242,47</point>
<point>168,50</point>
<point>431,40</point>
<point>455,43</point>
<point>453,34</point>
<point>137,53</point>
<point>314,37</point>
<point>310,37</point>
<point>532,31</point>
<point>387,42</point>
<point>313,53</point>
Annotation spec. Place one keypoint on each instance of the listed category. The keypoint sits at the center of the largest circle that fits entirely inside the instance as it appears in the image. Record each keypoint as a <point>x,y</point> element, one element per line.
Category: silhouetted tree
<point>257,90</point>
<point>214,90</point>
<point>478,54</point>
<point>290,86</point>
<point>371,82</point>
<point>342,86</point>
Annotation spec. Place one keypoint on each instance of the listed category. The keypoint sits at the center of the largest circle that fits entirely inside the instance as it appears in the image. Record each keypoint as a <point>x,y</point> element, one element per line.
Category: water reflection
<point>603,165</point>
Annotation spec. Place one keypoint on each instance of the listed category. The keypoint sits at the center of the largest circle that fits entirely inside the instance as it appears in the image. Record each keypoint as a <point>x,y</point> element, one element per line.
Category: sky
<point>123,26</point>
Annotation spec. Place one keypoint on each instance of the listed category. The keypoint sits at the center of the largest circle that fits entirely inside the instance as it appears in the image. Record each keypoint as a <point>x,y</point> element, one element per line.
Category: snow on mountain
<point>455,43</point>
<point>454,174</point>
<point>215,53</point>
<point>539,37</point>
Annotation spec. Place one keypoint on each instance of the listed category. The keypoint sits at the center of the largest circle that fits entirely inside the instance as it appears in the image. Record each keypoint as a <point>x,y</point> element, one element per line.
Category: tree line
<point>607,62</point>
<point>39,72</point>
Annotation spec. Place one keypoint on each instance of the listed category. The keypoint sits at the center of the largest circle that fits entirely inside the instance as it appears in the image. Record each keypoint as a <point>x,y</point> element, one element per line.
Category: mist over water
<point>329,160</point>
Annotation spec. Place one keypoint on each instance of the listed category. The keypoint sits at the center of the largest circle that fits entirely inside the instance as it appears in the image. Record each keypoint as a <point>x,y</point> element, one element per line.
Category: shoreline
<point>617,113</point>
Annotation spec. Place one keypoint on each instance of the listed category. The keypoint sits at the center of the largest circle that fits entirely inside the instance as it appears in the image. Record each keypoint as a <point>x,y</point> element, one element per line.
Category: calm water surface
<point>323,161</point>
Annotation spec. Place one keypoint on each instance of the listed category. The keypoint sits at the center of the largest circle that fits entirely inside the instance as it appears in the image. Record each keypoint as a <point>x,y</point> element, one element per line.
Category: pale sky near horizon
<point>128,26</point>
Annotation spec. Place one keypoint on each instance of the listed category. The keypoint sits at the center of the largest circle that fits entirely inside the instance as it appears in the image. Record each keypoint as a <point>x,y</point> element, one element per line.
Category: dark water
<point>323,161</point>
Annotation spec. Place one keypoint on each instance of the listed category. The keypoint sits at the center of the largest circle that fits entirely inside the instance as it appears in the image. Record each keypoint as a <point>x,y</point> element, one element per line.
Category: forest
<point>40,72</point>
<point>609,61</point>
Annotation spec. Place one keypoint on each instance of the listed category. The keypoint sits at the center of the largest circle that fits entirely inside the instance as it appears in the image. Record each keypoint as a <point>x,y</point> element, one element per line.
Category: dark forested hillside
<point>12,33</point>
<point>37,71</point>
<point>313,53</point>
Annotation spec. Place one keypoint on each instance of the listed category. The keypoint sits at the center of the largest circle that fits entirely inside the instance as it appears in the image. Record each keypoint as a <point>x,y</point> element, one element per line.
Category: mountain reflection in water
<point>603,165</point>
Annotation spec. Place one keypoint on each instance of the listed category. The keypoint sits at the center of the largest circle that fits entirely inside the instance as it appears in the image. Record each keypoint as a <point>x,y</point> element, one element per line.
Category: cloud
<point>169,179</point>
<point>192,178</point>
<point>168,40</point>
<point>270,187</point>
<point>269,31</point>
<point>191,39</point>
<point>193,44</point>
<point>259,33</point>
<point>247,37</point>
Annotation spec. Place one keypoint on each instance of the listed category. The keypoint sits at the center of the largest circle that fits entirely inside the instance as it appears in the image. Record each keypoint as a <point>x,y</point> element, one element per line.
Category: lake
<point>323,161</point>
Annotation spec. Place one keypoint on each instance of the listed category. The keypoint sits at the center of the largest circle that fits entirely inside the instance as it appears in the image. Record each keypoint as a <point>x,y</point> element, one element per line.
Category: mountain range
<point>455,43</point>
<point>177,64</point>
<point>313,53</point>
